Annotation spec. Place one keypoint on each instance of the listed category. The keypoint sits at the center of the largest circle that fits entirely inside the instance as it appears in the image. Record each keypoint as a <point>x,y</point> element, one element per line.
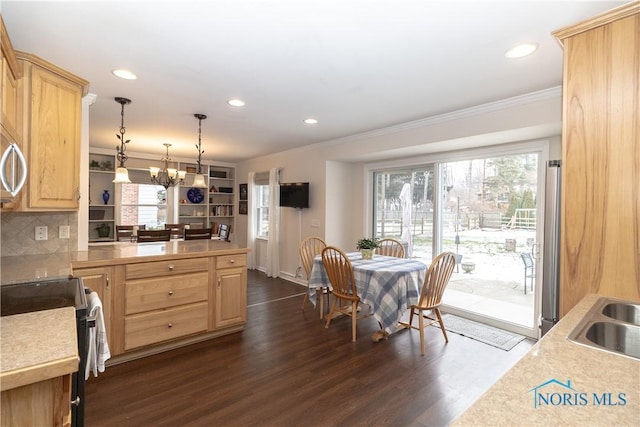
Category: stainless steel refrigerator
<point>551,248</point>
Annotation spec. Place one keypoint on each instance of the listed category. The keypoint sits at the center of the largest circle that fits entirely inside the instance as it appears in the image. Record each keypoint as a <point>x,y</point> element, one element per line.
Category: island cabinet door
<point>230,297</point>
<point>99,279</point>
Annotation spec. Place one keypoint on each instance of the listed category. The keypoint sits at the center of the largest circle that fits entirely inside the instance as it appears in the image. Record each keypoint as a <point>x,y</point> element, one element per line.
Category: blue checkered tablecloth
<point>388,284</point>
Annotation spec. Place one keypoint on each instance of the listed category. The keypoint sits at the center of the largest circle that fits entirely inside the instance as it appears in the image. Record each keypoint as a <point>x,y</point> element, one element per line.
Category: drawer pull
<point>170,325</point>
<point>170,267</point>
<point>232,261</point>
<point>170,293</point>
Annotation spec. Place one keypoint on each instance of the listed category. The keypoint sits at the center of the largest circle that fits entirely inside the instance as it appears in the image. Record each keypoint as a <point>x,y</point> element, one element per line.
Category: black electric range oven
<point>48,294</point>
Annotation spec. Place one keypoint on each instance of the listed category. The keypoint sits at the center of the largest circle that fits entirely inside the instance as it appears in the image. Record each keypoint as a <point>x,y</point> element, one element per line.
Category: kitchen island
<point>155,296</point>
<point>559,382</point>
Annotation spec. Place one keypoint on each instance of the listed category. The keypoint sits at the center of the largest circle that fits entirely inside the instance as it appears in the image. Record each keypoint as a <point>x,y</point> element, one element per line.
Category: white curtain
<point>252,221</point>
<point>273,246</point>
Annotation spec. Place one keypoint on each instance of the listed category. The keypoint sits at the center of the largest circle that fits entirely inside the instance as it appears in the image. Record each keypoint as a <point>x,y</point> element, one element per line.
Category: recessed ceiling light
<point>311,121</point>
<point>521,50</point>
<point>124,74</point>
<point>236,102</point>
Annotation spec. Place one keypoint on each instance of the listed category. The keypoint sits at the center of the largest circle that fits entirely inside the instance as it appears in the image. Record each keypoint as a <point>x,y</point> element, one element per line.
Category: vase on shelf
<point>105,196</point>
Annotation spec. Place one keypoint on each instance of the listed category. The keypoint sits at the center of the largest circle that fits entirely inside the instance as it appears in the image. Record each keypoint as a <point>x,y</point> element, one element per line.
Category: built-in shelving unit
<point>215,206</point>
<point>101,174</point>
<point>221,195</point>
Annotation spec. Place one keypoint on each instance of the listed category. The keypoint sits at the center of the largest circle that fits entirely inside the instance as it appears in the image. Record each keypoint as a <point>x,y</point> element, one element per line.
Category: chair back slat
<point>436,280</point>
<point>177,230</point>
<point>197,233</point>
<point>340,273</point>
<point>125,232</point>
<point>154,236</point>
<point>391,247</point>
<point>310,248</point>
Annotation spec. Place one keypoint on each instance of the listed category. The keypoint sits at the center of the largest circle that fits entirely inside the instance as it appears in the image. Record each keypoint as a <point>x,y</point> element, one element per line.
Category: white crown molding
<point>489,107</point>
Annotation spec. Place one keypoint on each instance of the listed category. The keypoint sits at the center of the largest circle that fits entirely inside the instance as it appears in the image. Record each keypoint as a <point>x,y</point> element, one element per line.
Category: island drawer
<point>153,327</point>
<point>158,293</point>
<point>164,268</point>
<point>226,261</point>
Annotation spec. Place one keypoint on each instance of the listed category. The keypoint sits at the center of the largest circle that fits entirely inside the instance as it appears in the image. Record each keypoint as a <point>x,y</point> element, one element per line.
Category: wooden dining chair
<point>390,247</point>
<point>124,233</point>
<point>177,230</point>
<point>435,282</point>
<point>346,300</point>
<point>197,233</point>
<point>310,248</point>
<point>154,236</point>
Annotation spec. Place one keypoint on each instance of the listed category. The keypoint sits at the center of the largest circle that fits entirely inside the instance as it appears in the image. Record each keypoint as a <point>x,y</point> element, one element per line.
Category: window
<point>262,210</point>
<point>404,207</point>
<point>142,203</point>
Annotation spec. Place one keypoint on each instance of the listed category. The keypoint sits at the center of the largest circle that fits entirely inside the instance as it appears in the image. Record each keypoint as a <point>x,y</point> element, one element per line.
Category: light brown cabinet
<point>600,219</point>
<point>45,403</point>
<point>153,306</point>
<point>51,131</point>
<point>231,290</point>
<point>11,95</point>
<point>98,279</point>
<point>10,111</point>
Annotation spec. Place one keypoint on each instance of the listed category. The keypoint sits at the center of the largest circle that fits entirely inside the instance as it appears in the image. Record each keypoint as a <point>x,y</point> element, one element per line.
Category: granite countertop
<point>584,386</point>
<point>37,346</point>
<point>19,269</point>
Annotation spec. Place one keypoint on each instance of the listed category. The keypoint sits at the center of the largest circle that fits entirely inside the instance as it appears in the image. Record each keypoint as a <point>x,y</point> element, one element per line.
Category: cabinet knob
<point>170,325</point>
<point>170,267</point>
<point>170,292</point>
<point>76,401</point>
<point>232,261</point>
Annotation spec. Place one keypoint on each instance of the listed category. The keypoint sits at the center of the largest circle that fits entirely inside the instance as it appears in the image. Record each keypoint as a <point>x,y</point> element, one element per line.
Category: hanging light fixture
<point>167,177</point>
<point>199,181</point>
<point>122,174</point>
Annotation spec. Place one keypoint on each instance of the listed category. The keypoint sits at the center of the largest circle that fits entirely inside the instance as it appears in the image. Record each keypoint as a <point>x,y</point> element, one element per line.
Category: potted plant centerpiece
<point>367,246</point>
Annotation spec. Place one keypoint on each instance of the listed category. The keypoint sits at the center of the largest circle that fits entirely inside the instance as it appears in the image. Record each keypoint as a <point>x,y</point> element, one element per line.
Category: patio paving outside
<point>495,287</point>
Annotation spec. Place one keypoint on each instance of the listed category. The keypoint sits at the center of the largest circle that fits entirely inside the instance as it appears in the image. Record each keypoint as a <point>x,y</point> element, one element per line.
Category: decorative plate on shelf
<point>195,195</point>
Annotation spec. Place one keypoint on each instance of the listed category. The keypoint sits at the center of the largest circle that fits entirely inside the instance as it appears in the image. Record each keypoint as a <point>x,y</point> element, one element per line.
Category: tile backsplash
<point>17,231</point>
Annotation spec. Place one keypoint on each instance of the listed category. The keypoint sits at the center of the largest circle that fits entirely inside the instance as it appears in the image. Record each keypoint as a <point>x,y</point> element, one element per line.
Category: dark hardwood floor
<point>286,369</point>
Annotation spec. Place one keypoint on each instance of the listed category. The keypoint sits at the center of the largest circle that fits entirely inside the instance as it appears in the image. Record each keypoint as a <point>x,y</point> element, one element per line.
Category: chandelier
<point>122,174</point>
<point>199,181</point>
<point>167,177</point>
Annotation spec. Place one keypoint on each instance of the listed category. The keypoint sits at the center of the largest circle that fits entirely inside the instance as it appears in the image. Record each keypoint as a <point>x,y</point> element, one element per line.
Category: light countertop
<point>584,386</point>
<point>18,269</point>
<point>37,346</point>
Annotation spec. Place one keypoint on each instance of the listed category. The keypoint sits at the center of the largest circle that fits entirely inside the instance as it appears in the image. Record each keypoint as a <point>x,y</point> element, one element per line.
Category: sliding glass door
<point>485,210</point>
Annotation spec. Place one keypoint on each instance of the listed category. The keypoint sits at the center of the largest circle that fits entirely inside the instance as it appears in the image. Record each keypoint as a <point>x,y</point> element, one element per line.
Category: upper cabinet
<point>52,123</point>
<point>10,120</point>
<point>11,88</point>
<point>600,243</point>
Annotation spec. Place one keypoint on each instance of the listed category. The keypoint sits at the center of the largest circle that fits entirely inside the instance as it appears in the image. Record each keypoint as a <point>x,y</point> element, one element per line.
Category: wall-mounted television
<point>294,195</point>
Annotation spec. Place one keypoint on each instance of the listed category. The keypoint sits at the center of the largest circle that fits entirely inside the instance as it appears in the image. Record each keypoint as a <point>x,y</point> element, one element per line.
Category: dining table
<point>389,285</point>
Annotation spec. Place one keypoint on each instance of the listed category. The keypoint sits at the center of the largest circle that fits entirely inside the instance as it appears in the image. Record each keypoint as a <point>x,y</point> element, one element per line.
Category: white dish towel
<point>98,347</point>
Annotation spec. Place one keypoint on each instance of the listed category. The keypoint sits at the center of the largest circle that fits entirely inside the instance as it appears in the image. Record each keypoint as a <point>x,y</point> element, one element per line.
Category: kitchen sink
<point>610,325</point>
<point>625,312</point>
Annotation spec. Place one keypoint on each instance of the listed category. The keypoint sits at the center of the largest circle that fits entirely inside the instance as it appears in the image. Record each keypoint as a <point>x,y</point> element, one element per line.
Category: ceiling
<point>354,65</point>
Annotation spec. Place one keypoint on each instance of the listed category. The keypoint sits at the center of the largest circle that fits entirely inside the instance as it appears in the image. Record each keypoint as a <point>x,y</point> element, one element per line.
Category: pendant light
<point>122,174</point>
<point>167,177</point>
<point>199,181</point>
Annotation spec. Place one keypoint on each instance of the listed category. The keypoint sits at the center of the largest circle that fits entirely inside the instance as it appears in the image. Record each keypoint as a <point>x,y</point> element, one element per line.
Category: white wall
<point>335,169</point>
